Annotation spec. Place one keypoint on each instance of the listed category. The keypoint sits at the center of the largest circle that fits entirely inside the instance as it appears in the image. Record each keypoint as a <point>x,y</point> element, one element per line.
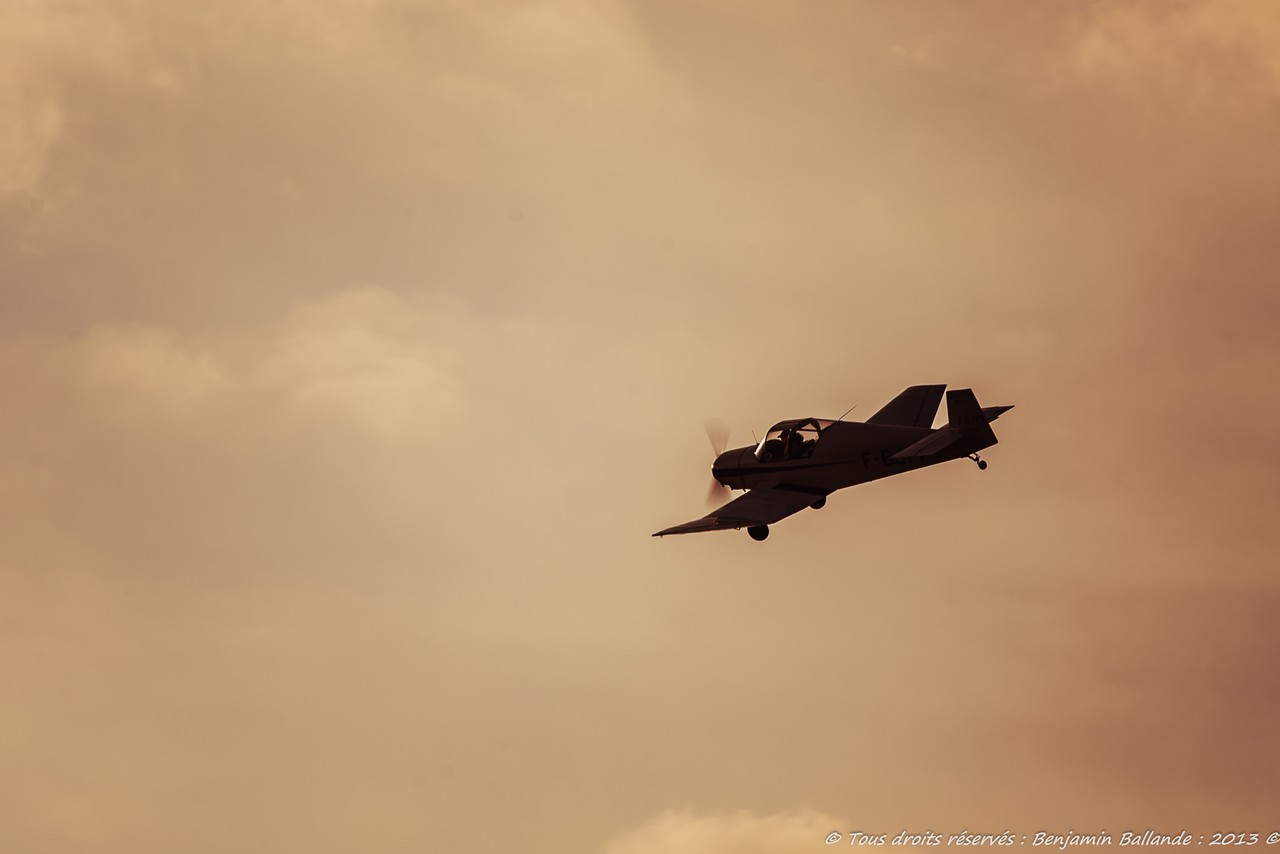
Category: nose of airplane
<point>727,468</point>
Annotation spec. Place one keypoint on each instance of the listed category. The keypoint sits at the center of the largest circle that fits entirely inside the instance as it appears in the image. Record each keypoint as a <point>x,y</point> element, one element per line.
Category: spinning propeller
<point>718,435</point>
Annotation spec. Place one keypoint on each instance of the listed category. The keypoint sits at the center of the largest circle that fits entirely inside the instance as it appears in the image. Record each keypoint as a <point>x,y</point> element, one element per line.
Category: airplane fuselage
<point>849,453</point>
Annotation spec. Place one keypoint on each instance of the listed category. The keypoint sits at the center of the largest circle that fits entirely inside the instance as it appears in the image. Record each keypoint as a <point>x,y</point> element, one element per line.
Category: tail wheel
<point>758,532</point>
<point>820,503</point>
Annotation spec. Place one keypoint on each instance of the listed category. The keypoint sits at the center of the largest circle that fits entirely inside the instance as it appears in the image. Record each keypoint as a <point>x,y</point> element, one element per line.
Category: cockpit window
<point>791,440</point>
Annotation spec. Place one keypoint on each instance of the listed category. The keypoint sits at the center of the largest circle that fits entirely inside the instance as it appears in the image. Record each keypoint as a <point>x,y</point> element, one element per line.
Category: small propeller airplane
<point>802,461</point>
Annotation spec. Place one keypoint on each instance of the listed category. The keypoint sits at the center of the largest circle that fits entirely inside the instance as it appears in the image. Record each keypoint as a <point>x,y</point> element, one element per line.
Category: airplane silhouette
<point>802,461</point>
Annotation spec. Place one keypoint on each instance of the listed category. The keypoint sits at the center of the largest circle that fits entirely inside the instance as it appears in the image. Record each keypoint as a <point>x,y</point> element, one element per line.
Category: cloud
<point>364,356</point>
<point>1195,53</point>
<point>44,48</point>
<point>686,832</point>
<point>368,356</point>
<point>152,364</point>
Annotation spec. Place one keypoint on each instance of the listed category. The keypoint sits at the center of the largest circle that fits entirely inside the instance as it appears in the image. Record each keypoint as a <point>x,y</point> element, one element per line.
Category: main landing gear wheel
<point>820,503</point>
<point>982,464</point>
<point>758,532</point>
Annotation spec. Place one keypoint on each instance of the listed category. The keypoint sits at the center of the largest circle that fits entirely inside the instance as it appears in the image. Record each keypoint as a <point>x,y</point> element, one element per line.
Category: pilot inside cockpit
<point>789,441</point>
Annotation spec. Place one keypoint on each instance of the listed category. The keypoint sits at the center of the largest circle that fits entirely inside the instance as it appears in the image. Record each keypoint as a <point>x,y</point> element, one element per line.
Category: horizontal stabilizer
<point>936,441</point>
<point>994,412</point>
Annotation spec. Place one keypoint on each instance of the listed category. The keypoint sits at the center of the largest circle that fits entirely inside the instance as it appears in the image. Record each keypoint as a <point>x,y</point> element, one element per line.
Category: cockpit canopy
<point>792,440</point>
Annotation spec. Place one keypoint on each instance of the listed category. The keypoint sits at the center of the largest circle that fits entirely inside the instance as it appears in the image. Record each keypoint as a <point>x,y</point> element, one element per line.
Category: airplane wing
<point>933,443</point>
<point>761,506</point>
<point>915,407</point>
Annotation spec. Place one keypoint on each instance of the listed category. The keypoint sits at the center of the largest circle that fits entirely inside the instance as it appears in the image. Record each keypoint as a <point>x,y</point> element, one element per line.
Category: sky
<point>353,350</point>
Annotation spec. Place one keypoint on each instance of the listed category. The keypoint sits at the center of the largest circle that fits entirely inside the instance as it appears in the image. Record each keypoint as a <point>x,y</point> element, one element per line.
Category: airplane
<point>800,462</point>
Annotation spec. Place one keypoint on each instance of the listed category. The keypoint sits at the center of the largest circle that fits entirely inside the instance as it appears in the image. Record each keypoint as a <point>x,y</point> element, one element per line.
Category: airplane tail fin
<point>971,419</point>
<point>969,423</point>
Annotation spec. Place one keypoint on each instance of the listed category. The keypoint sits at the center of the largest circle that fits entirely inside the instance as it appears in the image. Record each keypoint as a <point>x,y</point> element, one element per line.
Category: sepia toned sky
<point>351,352</point>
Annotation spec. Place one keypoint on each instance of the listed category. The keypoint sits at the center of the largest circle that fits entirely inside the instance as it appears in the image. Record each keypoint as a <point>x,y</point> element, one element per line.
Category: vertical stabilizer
<point>967,416</point>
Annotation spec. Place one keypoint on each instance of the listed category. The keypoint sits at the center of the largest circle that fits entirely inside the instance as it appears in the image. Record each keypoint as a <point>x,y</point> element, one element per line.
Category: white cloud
<point>684,832</point>
<point>366,355</point>
<point>42,46</point>
<point>152,364</point>
<point>1217,50</point>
